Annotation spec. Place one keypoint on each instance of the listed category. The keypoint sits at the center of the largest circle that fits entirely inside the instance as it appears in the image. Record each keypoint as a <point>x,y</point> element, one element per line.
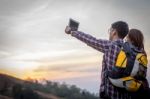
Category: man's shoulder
<point>117,44</point>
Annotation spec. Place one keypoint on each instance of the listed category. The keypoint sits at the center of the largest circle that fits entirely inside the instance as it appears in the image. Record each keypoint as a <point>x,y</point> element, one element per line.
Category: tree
<point>17,91</point>
<point>23,93</point>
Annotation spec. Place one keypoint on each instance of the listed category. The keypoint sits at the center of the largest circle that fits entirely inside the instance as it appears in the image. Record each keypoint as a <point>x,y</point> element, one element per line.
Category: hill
<point>8,82</point>
<point>14,88</point>
<point>5,97</point>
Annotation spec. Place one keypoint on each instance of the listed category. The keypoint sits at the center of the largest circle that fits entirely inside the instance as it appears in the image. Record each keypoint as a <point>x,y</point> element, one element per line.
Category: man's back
<point>110,50</point>
<point>109,60</point>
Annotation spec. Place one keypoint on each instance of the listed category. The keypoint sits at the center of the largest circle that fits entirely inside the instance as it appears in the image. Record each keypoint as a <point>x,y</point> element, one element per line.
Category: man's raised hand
<point>68,30</point>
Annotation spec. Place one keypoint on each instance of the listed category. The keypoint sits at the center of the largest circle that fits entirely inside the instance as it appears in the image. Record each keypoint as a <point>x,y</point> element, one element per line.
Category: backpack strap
<point>131,57</point>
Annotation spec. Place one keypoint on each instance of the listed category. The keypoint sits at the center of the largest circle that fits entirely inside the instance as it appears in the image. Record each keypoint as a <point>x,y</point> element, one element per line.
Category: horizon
<point>33,42</point>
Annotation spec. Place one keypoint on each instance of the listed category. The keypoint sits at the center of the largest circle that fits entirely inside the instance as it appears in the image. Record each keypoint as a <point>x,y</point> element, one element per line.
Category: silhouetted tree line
<point>62,90</point>
<point>27,91</point>
<point>19,92</point>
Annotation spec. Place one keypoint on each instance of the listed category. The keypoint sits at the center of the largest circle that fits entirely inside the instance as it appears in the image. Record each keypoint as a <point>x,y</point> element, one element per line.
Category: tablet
<point>73,24</point>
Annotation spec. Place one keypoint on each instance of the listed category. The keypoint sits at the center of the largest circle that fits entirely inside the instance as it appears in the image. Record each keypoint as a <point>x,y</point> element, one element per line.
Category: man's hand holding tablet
<point>72,26</point>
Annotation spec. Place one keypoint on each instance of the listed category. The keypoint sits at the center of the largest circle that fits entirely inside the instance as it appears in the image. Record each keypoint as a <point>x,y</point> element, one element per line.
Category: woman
<point>136,40</point>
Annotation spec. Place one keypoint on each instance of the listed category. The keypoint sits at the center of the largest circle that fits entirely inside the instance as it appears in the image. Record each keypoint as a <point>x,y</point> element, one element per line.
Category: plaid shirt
<point>110,50</point>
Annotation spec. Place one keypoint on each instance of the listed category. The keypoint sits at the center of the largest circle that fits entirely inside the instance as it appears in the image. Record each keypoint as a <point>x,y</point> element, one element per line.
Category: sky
<point>33,43</point>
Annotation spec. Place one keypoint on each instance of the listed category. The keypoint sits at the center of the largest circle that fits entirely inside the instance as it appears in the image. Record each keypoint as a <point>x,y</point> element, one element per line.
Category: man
<point>110,48</point>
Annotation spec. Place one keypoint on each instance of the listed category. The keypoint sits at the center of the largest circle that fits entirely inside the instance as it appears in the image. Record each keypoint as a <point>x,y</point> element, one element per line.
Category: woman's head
<point>136,37</point>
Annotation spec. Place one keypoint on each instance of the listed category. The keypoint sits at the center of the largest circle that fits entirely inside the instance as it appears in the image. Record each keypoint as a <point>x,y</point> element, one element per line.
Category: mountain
<point>8,82</point>
<point>5,97</point>
<point>14,88</point>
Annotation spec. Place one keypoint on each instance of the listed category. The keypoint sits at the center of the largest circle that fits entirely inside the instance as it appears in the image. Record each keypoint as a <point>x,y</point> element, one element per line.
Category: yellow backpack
<point>130,69</point>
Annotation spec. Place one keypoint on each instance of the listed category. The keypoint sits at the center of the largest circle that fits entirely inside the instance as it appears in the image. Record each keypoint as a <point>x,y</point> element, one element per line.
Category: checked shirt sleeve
<point>98,44</point>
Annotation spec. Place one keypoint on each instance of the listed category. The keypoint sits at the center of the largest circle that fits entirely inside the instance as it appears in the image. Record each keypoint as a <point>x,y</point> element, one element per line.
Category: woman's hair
<point>136,37</point>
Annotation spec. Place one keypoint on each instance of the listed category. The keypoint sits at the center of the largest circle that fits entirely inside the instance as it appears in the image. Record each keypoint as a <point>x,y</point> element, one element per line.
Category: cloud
<point>76,67</point>
<point>4,54</point>
<point>8,7</point>
<point>39,22</point>
<point>35,27</point>
<point>57,75</point>
<point>76,64</point>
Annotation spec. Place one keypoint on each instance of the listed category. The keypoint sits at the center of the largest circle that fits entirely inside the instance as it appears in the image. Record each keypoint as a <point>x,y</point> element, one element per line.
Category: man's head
<point>118,30</point>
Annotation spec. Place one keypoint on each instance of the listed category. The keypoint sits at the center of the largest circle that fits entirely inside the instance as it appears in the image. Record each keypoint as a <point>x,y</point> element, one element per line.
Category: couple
<point>111,48</point>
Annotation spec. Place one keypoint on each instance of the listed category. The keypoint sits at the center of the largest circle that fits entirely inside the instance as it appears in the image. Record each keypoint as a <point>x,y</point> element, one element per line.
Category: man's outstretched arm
<point>98,44</point>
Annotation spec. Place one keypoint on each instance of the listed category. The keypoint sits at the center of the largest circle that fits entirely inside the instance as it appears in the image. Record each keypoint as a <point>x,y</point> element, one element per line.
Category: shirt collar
<point>119,41</point>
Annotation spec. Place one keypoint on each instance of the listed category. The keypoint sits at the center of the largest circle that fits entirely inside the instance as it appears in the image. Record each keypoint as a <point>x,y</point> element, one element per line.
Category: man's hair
<point>121,27</point>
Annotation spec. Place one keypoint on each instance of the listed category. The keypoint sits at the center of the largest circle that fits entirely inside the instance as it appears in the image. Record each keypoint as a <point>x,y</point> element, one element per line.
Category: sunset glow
<point>33,43</point>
